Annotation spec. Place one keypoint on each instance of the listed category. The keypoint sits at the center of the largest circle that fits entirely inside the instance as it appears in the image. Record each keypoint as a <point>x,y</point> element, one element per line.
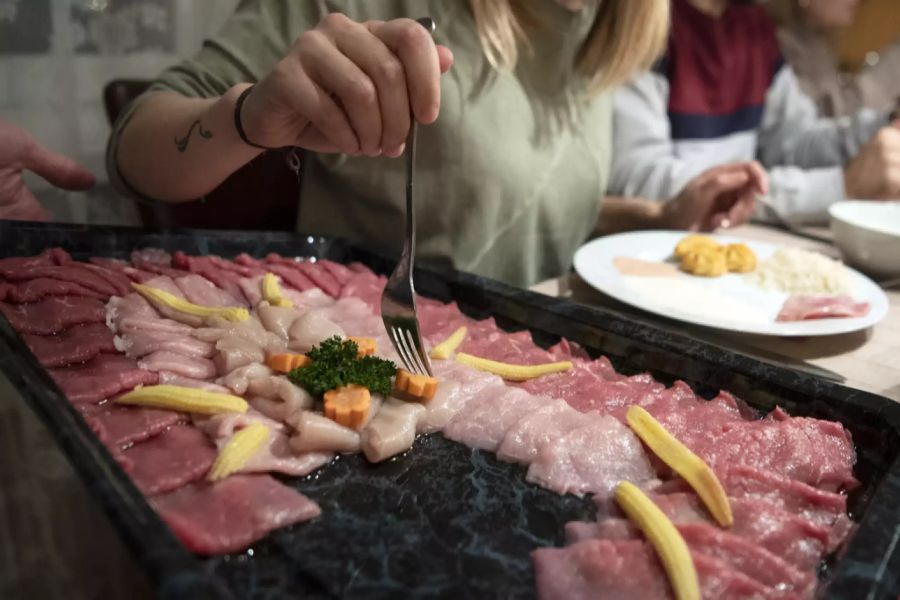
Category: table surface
<point>869,359</point>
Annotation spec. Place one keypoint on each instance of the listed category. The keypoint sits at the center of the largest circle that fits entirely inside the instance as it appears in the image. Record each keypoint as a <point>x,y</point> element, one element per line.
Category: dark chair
<point>262,195</point>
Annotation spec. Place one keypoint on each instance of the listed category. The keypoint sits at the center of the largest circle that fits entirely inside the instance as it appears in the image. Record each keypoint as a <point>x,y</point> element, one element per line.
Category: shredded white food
<point>802,272</point>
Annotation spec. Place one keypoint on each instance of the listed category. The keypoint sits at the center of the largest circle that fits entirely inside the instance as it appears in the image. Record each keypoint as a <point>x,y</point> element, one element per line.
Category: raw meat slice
<point>133,274</point>
<point>171,460</point>
<point>239,380</point>
<point>316,433</point>
<point>117,280</point>
<point>457,385</point>
<point>626,570</point>
<point>203,265</point>
<point>391,431</point>
<point>141,343</point>
<point>236,267</point>
<point>486,418</point>
<point>547,424</point>
<point>292,277</point>
<point>105,376</point>
<point>318,276</point>
<point>353,316</point>
<point>799,307</point>
<point>119,426</point>
<point>276,319</point>
<point>53,314</point>
<point>231,514</point>
<point>281,398</point>
<point>33,290</point>
<point>200,291</point>
<point>366,286</point>
<point>251,287</point>
<point>169,378</point>
<point>592,458</point>
<point>167,284</point>
<point>193,367</point>
<point>154,260</point>
<point>340,273</point>
<point>233,352</point>
<point>311,329</point>
<point>250,330</point>
<point>75,345</point>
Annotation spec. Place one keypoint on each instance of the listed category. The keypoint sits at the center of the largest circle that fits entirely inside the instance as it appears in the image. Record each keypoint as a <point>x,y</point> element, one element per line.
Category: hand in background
<point>20,152</point>
<point>722,196</point>
<point>874,173</point>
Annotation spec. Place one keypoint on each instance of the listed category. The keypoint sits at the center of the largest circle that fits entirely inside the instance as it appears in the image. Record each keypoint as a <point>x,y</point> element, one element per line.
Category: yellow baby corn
<point>684,462</point>
<point>271,291</point>
<point>443,350</point>
<point>164,298</point>
<point>238,450</point>
<point>665,539</point>
<point>509,371</point>
<point>184,399</point>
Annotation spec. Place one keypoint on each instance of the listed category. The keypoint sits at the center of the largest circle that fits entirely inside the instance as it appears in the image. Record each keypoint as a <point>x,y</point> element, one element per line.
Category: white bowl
<point>868,235</point>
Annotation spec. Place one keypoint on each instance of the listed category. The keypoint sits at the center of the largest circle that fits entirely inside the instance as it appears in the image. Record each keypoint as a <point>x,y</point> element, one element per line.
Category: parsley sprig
<point>335,362</point>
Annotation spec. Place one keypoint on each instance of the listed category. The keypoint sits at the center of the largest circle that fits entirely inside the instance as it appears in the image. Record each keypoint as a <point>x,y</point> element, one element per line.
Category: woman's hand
<point>349,87</point>
<point>18,152</point>
<point>722,196</point>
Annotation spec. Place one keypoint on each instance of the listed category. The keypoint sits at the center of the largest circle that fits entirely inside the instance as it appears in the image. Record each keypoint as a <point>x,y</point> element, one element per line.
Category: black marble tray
<point>443,520</point>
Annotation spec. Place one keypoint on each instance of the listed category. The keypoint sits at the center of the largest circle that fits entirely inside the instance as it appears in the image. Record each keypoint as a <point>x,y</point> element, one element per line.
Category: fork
<point>398,302</point>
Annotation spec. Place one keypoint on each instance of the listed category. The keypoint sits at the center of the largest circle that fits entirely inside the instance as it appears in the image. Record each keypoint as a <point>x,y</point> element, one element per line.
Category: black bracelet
<point>237,120</point>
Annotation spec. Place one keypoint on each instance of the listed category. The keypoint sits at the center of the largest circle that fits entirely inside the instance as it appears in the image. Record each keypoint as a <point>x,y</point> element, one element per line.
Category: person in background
<point>20,152</point>
<point>723,93</point>
<point>805,31</point>
<point>510,180</point>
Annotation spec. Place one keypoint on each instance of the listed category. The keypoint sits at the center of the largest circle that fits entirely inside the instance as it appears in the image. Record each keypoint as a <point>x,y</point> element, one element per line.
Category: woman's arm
<point>342,87</point>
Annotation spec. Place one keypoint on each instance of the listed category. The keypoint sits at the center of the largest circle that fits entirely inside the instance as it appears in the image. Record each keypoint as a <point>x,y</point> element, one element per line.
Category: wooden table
<point>870,359</point>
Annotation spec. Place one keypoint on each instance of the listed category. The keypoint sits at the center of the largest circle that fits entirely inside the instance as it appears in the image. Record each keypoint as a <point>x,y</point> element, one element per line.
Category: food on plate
<point>444,349</point>
<point>560,414</point>
<point>684,462</point>
<point>183,307</point>
<point>704,256</point>
<point>636,267</point>
<point>367,346</point>
<point>694,243</point>
<point>285,362</point>
<point>512,372</point>
<point>664,537</point>
<point>418,387</point>
<point>740,258</point>
<point>184,399</point>
<point>705,262</point>
<point>238,450</point>
<point>804,307</point>
<point>798,271</point>
<point>271,292</point>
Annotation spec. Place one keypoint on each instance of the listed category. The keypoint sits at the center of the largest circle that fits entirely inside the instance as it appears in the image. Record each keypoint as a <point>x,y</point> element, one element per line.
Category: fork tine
<point>402,350</point>
<point>420,360</point>
<point>411,352</point>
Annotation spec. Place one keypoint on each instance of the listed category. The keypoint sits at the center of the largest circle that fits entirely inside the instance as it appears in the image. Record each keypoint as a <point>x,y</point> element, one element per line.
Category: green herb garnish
<point>335,362</point>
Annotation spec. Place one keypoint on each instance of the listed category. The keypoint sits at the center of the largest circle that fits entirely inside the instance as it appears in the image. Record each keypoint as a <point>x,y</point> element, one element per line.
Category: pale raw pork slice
<point>169,378</point>
<point>200,291</point>
<point>118,426</point>
<point>353,316</point>
<point>312,328</point>
<point>233,352</point>
<point>141,343</point>
<point>365,285</point>
<point>207,267</point>
<point>250,330</point>
<point>392,430</point>
<point>231,514</point>
<point>75,345</point>
<point>543,426</point>
<point>105,376</point>
<point>593,458</point>
<point>53,314</point>
<point>193,367</point>
<point>276,319</point>
<point>457,384</point>
<point>170,460</point>
<point>275,455</point>
<point>800,307</point>
<point>239,380</point>
<point>251,287</point>
<point>485,419</point>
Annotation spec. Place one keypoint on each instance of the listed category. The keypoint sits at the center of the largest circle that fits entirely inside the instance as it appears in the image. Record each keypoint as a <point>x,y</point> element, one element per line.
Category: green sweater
<point>508,179</point>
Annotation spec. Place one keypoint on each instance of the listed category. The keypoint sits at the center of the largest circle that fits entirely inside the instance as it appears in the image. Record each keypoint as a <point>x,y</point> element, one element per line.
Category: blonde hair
<point>627,37</point>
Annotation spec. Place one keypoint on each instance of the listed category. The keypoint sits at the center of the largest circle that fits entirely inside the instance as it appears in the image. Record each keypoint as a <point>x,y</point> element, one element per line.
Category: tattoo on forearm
<point>182,144</point>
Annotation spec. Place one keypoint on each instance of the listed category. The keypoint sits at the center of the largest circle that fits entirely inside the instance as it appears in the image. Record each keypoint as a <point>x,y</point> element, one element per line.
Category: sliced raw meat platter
<point>100,337</point>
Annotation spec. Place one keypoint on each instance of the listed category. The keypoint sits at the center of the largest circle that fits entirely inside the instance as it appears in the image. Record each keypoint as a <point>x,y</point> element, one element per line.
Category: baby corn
<point>443,350</point>
<point>271,291</point>
<point>512,372</point>
<point>166,299</point>
<point>238,450</point>
<point>665,539</point>
<point>684,462</point>
<point>184,399</point>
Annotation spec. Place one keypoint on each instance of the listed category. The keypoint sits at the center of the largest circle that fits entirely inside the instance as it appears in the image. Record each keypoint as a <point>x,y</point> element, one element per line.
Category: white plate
<point>729,302</point>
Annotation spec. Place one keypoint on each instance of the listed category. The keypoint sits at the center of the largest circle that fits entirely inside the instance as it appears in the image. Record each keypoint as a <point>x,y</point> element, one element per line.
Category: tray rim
<point>173,568</point>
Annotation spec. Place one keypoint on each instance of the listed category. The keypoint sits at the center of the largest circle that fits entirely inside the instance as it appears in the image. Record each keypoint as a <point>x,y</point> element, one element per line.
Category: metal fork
<point>398,302</point>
